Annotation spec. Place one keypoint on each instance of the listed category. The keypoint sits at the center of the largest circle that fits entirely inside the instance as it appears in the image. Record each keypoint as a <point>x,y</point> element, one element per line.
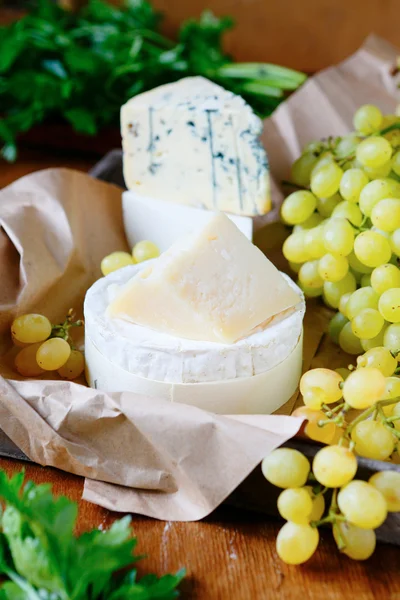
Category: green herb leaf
<point>83,66</point>
<point>42,559</point>
<point>82,120</point>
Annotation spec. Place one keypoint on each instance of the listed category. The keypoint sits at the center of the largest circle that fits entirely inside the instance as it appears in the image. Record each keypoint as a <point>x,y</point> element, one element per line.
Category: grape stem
<point>291,184</point>
<point>368,412</point>
<point>341,544</point>
<point>387,422</point>
<point>389,128</point>
<point>333,515</point>
<point>331,411</point>
<point>62,330</point>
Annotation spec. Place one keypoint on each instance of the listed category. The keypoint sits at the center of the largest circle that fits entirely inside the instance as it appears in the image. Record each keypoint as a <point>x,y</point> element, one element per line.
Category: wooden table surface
<point>231,554</point>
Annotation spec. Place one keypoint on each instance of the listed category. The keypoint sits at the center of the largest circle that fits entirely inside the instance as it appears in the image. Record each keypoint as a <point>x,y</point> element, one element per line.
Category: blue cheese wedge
<point>194,143</point>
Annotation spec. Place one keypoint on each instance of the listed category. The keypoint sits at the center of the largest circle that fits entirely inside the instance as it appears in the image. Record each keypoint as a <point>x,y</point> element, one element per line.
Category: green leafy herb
<point>83,66</point>
<point>42,559</point>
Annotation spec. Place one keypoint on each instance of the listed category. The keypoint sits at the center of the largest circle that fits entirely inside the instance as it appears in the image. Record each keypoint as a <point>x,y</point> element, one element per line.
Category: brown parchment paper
<point>156,458</point>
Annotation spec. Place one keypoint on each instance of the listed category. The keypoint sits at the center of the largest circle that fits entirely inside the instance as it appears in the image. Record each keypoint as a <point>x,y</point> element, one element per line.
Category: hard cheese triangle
<point>211,285</point>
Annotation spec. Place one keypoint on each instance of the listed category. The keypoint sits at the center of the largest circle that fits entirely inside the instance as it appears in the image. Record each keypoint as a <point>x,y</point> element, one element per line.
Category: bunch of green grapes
<point>346,231</point>
<point>144,250</point>
<point>357,507</point>
<point>46,347</point>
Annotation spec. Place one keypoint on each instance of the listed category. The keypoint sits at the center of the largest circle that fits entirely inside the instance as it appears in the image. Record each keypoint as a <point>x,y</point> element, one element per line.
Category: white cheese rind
<point>260,394</point>
<point>161,357</point>
<point>164,222</point>
<point>192,142</point>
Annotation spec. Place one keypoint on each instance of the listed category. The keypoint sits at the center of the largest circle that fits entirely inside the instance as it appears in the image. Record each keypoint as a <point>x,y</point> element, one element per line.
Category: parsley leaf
<point>42,559</point>
<point>81,67</point>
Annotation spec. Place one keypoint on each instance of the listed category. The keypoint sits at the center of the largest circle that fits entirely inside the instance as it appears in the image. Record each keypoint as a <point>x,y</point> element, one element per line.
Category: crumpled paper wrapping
<point>181,461</point>
<point>156,458</point>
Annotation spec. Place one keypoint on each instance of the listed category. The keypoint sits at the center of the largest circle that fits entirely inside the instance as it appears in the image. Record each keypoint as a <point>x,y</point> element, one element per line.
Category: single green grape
<point>336,325</point>
<point>145,250</point>
<point>362,298</point>
<point>362,504</point>
<point>115,261</point>
<point>295,267</point>
<point>286,468</point>
<point>295,504</point>
<point>379,172</point>
<point>294,248</point>
<point>389,305</point>
<point>318,504</point>
<point>31,328</point>
<point>374,152</point>
<point>372,249</point>
<point>309,275</point>
<point>326,206</point>
<point>298,207</point>
<point>375,341</point>
<point>74,366</point>
<point>347,145</point>
<point>378,358</point>
<point>396,413</point>
<point>25,362</point>
<point>394,186</point>
<point>320,386</point>
<point>332,267</point>
<point>396,163</point>
<point>310,292</point>
<point>367,323</point>
<point>392,391</point>
<point>338,236</point>
<point>388,483</point>
<point>359,544</point>
<point>301,169</point>
<point>314,242</point>
<point>334,291</point>
<point>391,339</point>
<point>296,543</point>
<point>53,354</point>
<point>326,158</point>
<point>310,223</point>
<point>350,211</point>
<point>395,242</point>
<point>364,387</point>
<point>343,372</point>
<point>348,341</point>
<point>357,266</point>
<point>367,119</point>
<point>313,429</point>
<point>351,184</point>
<point>386,214</point>
<point>365,280</point>
<point>373,192</point>
<point>343,303</point>
<point>372,440</point>
<point>334,466</point>
<point>385,277</point>
<point>325,181</point>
